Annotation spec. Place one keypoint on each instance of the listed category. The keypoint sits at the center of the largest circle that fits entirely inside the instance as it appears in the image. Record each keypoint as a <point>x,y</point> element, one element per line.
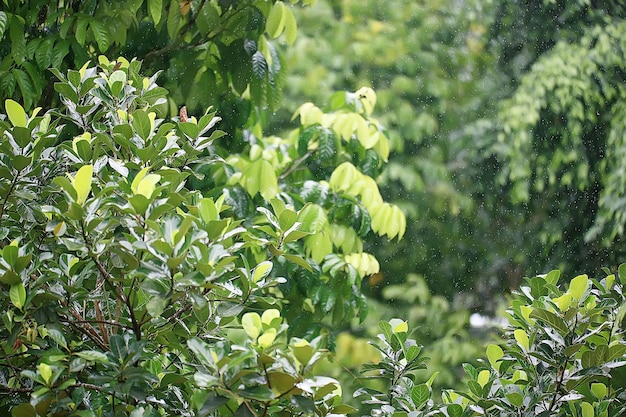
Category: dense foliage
<point>133,250</point>
<point>212,52</point>
<point>562,355</point>
<point>162,254</point>
<point>508,114</point>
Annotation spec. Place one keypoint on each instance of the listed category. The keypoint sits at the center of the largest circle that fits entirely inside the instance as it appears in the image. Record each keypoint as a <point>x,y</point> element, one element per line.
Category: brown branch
<point>100,321</point>
<point>107,322</point>
<point>6,198</point>
<point>88,330</point>
<point>296,164</point>
<point>99,389</point>
<point>179,38</point>
<point>108,279</point>
<point>15,390</point>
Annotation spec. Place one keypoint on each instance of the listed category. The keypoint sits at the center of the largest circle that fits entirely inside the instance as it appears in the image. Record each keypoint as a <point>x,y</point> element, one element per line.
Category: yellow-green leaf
<point>522,338</point>
<point>16,113</point>
<point>252,325</point>
<point>267,338</point>
<point>302,350</point>
<point>494,354</point>
<point>276,20</point>
<point>154,8</point>
<point>399,327</point>
<point>367,96</point>
<point>483,377</point>
<point>138,178</point>
<point>208,210</point>
<point>599,390</point>
<point>17,294</point>
<point>587,409</point>
<point>291,27</point>
<point>82,183</point>
<point>45,371</point>
<point>344,177</point>
<point>148,184</point>
<point>269,316</point>
<point>261,271</point>
<point>252,177</point>
<point>578,286</point>
<point>564,302</point>
<point>268,185</point>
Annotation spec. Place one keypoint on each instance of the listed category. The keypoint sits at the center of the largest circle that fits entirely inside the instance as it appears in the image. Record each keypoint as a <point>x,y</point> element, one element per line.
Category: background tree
<point>210,51</point>
<point>557,140</point>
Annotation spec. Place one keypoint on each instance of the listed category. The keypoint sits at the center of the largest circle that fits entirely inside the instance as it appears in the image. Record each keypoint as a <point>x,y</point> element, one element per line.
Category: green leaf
<point>23,410</point>
<point>208,18</point>
<point>29,94</point>
<point>173,20</point>
<point>327,149</point>
<point>67,91</point>
<point>3,23</point>
<point>141,124</point>
<point>18,40</point>
<point>93,356</point>
<point>10,254</point>
<point>550,319</point>
<point>58,337</point>
<point>156,305</point>
<point>342,409</point>
<point>82,183</point>
<point>259,65</point>
<point>101,34</point>
<point>291,27</point>
<point>552,277</point>
<point>454,410</point>
<point>80,33</point>
<point>287,219</point>
<point>16,113</point>
<point>154,8</point>
<point>621,270</point>
<point>17,294</point>
<point>259,393</point>
<point>43,54</point>
<point>313,218</point>
<point>298,260</point>
<point>269,182</point>
<point>202,351</point>
<point>515,398</point>
<point>420,394</point>
<point>276,20</point>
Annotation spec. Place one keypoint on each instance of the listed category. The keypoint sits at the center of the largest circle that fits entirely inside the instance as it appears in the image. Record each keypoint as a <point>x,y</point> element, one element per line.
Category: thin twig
<point>296,164</point>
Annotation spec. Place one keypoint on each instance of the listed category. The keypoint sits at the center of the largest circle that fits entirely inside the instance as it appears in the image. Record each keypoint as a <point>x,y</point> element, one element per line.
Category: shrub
<point>135,250</point>
<point>563,355</point>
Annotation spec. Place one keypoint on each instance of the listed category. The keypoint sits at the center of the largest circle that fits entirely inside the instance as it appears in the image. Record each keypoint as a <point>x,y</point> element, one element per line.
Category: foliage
<point>433,74</point>
<point>134,248</point>
<point>211,51</point>
<point>563,355</point>
<point>567,110</point>
<point>564,202</point>
<point>441,326</point>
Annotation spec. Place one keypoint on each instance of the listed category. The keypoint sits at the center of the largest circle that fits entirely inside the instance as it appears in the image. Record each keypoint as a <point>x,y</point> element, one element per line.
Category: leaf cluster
<point>134,252</point>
